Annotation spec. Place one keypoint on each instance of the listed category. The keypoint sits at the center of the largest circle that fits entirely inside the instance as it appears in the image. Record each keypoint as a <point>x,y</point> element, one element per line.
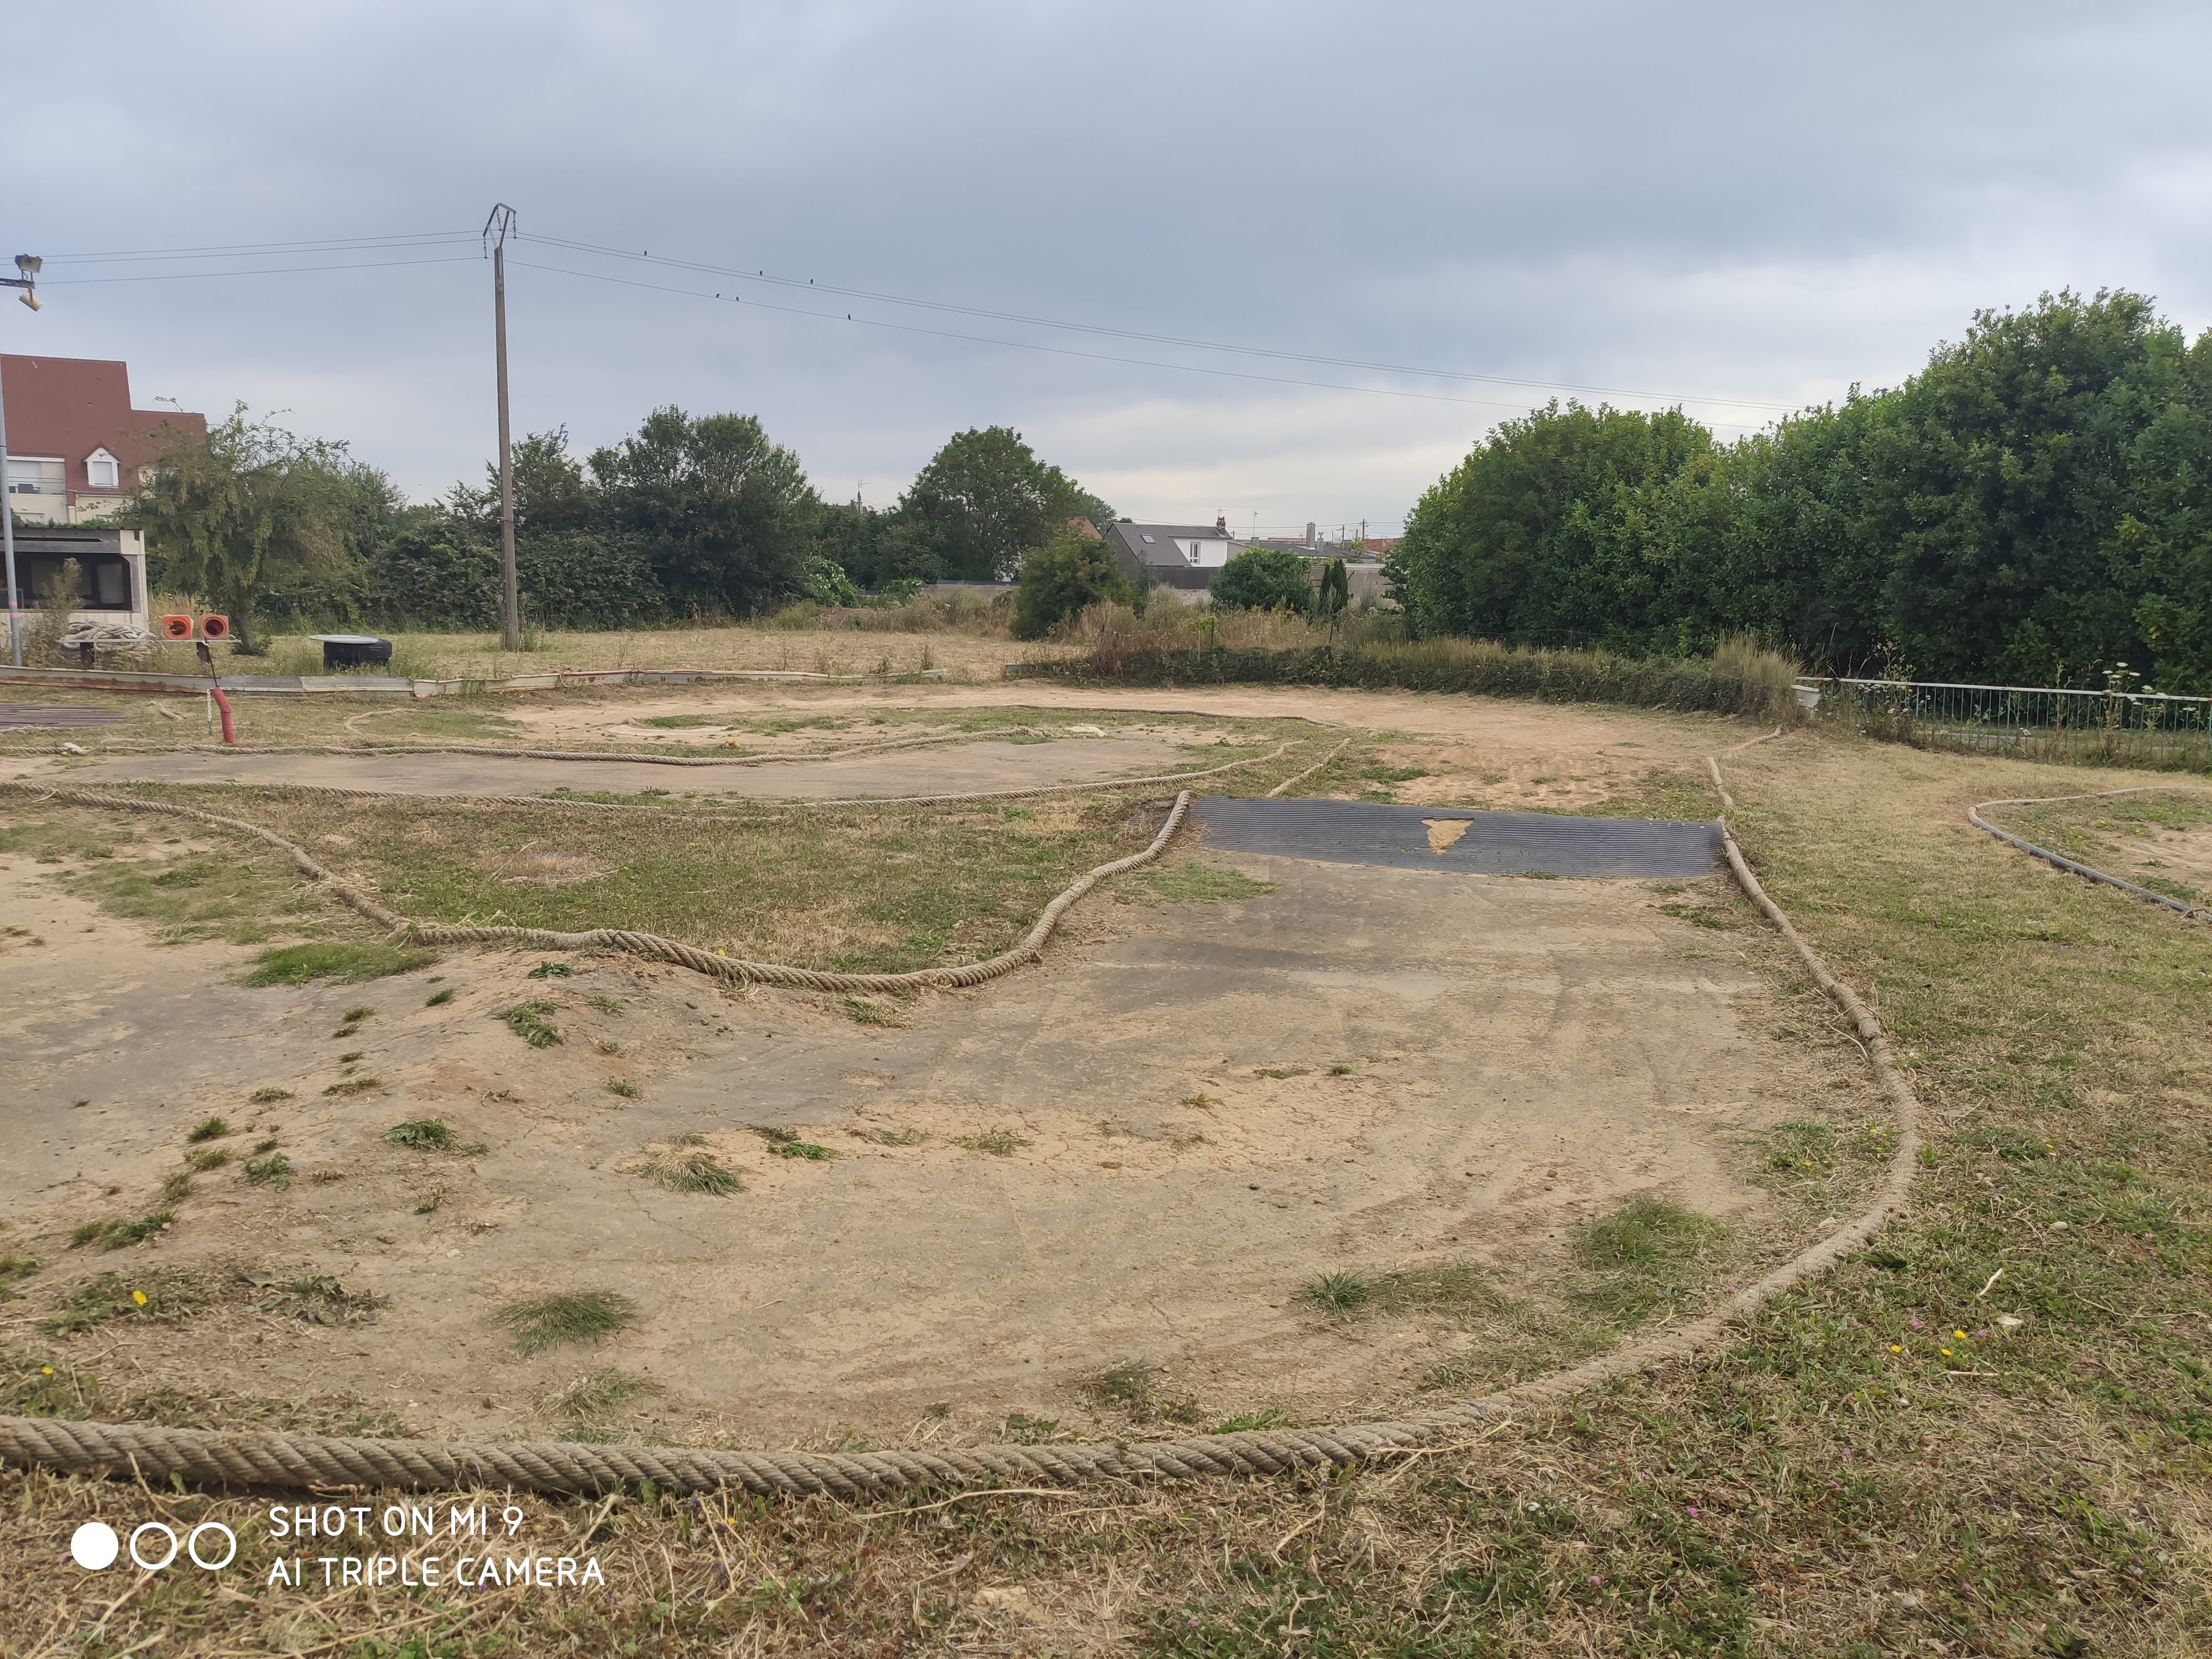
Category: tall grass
<point>1277,648</point>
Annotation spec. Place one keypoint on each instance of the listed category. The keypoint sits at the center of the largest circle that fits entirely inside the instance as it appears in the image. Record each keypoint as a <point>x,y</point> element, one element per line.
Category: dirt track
<point>1520,1055</point>
<point>955,768</point>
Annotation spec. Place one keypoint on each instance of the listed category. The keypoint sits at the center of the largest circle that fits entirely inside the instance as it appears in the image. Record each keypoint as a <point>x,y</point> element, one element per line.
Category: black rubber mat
<point>31,716</point>
<point>1492,844</point>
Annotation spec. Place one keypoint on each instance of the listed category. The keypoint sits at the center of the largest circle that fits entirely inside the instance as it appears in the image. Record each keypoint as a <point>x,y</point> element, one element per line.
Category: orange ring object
<point>176,628</point>
<point>213,626</point>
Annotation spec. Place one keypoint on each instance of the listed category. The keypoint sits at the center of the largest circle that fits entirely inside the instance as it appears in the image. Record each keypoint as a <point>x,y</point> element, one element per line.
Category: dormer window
<point>1148,541</point>
<point>102,471</point>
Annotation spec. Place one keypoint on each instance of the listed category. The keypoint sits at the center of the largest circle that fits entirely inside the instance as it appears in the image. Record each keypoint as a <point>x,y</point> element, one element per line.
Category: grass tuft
<point>274,1170</point>
<point>1192,883</point>
<point>685,1167</point>
<point>422,1134</point>
<point>785,1143</point>
<point>547,1321</point>
<point>1644,1254</point>
<point>1340,1292</point>
<point>213,1128</point>
<point>999,1141</point>
<point>112,1235</point>
<point>346,962</point>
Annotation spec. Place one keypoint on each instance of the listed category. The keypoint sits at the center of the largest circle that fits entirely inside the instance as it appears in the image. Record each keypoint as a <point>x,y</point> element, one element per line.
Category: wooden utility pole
<point>496,229</point>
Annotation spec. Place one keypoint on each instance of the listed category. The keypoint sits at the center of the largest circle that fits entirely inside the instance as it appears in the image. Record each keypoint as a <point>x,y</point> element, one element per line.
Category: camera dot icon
<point>94,1546</point>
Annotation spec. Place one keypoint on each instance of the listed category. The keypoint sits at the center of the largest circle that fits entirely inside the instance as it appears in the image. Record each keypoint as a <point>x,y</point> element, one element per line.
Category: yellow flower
<point>139,1296</point>
<point>1961,1335</point>
<point>45,1370</point>
<point>1947,1353</point>
<point>1896,1348</point>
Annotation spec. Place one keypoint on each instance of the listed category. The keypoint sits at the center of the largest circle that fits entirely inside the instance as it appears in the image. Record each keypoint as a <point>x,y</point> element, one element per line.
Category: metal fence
<point>2114,725</point>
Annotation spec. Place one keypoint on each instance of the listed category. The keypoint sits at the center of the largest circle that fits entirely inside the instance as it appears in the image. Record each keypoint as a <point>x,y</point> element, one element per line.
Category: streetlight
<point>28,266</point>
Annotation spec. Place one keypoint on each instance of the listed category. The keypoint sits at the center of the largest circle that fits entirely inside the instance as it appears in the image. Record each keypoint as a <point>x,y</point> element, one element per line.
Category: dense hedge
<point>1460,666</point>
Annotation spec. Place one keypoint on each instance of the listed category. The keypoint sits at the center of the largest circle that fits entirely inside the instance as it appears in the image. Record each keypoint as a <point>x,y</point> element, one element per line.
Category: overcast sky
<point>1757,203</point>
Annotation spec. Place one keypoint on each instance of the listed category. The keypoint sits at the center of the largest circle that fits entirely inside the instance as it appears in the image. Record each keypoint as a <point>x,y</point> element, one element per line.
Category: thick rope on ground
<point>644,758</point>
<point>213,1457</point>
<point>653,946</point>
<point>2195,912</point>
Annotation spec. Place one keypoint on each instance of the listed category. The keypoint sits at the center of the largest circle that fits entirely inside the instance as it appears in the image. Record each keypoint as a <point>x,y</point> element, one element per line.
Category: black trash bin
<point>353,650</point>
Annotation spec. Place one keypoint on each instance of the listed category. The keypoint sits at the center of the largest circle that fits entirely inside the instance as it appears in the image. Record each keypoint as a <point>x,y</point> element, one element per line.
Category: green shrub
<point>1058,579</point>
<point>1265,578</point>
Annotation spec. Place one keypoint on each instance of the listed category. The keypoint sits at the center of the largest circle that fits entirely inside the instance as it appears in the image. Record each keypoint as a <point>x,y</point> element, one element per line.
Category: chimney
<point>1221,523</point>
<point>1310,532</point>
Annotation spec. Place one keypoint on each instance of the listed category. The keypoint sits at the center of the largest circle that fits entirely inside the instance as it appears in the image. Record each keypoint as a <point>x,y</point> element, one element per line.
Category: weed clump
<point>547,1322</point>
<point>167,1293</point>
<point>422,1134</point>
<point>624,1087</point>
<point>274,1170</point>
<point>267,1096</point>
<point>203,1158</point>
<point>527,1021</point>
<point>318,1299</point>
<point>591,1399</point>
<point>354,1085</point>
<point>213,1128</point>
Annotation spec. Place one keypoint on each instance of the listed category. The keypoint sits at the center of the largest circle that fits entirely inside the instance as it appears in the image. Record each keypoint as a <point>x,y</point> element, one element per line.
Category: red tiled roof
<point>70,406</point>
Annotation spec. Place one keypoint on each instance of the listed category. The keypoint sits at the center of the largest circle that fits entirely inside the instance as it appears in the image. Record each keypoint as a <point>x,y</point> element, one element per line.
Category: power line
<point>399,242</point>
<point>1133,334</point>
<point>265,271</point>
<point>1031,345</point>
<point>328,245</point>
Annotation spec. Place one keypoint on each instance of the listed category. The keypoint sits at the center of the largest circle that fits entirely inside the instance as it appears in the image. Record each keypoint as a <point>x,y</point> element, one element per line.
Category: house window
<point>103,580</point>
<point>1192,557</point>
<point>1148,541</point>
<point>101,471</point>
<point>33,477</point>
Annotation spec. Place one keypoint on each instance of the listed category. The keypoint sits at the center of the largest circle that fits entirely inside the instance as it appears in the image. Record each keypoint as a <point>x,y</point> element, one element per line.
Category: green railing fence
<point>2113,726</point>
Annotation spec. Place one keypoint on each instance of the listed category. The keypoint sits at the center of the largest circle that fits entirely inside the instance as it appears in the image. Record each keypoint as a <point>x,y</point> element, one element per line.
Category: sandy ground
<point>1495,751</point>
<point>951,769</point>
<point>1520,1055</point>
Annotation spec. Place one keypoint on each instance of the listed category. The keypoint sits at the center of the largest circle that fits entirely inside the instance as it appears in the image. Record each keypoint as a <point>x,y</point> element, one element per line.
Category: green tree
<point>985,500</point>
<point>1265,578</point>
<point>2006,478</point>
<point>1566,527</point>
<point>248,508</point>
<point>1335,591</point>
<point>727,517</point>
<point>551,491</point>
<point>1058,579</point>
